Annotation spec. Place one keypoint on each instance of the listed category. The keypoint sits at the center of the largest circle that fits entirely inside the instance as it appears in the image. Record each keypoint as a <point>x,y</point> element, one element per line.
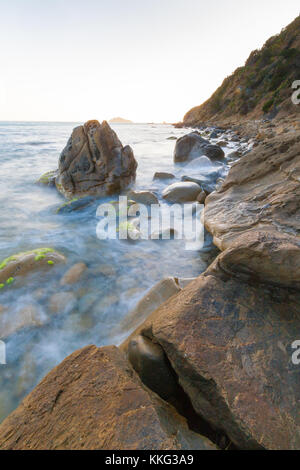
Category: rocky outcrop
<point>261,192</point>
<point>95,162</point>
<point>95,400</point>
<point>192,146</point>
<point>229,342</point>
<point>228,335</point>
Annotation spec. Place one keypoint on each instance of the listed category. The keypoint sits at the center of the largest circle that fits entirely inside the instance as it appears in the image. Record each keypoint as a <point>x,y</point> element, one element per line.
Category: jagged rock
<point>181,192</point>
<point>261,192</point>
<point>192,146</point>
<point>229,342</point>
<point>19,265</point>
<point>95,162</point>
<point>95,400</point>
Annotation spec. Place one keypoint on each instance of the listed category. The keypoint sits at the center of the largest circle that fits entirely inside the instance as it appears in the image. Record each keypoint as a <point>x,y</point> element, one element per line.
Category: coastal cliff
<point>262,87</point>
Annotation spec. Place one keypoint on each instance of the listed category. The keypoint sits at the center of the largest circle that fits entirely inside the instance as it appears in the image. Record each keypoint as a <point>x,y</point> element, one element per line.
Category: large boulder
<point>95,401</point>
<point>182,192</point>
<point>261,191</point>
<point>229,340</point>
<point>95,162</point>
<point>192,146</point>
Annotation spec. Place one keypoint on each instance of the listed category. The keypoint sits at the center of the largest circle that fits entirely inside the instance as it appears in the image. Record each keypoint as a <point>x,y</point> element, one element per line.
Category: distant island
<point>120,120</point>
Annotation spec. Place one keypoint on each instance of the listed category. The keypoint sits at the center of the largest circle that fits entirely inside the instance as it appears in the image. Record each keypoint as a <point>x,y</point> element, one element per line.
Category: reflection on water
<point>119,272</point>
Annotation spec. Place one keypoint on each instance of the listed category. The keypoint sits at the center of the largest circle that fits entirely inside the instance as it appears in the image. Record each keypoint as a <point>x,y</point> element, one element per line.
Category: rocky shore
<point>208,365</point>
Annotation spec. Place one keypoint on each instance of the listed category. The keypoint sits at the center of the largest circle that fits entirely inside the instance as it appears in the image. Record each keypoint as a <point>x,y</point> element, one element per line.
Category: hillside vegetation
<point>261,87</point>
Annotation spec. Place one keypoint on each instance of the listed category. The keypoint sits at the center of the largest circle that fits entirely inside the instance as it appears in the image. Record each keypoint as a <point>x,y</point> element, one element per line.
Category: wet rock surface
<point>95,400</point>
<point>229,343</point>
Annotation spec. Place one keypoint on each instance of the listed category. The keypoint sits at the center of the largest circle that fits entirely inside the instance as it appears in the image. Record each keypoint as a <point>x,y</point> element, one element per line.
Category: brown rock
<point>74,274</point>
<point>261,192</point>
<point>62,302</point>
<point>94,400</point>
<point>229,342</point>
<point>21,264</point>
<point>95,162</point>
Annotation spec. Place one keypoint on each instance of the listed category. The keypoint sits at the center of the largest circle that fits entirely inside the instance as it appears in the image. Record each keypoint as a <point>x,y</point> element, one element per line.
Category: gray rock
<point>181,192</point>
<point>192,146</point>
<point>143,197</point>
<point>160,175</point>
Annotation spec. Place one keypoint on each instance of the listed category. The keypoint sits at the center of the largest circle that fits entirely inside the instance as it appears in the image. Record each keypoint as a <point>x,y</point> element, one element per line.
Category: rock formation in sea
<point>94,162</point>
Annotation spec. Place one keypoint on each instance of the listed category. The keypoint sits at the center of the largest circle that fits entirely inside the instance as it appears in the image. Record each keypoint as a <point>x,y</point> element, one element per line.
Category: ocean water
<point>119,272</point>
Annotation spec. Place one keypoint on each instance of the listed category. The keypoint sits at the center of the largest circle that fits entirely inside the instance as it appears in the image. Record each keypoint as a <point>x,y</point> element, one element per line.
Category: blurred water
<point>119,273</point>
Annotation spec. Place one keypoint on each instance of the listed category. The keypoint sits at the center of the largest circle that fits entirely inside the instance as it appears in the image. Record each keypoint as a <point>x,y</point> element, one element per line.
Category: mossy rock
<point>21,264</point>
<point>48,178</point>
<point>75,204</point>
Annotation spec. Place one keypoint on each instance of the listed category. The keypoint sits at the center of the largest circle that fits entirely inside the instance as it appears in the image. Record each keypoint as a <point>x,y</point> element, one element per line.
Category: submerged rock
<point>62,302</point>
<point>192,146</point>
<point>74,274</point>
<point>12,321</point>
<point>95,162</point>
<point>158,294</point>
<point>182,192</point>
<point>75,204</point>
<point>95,400</point>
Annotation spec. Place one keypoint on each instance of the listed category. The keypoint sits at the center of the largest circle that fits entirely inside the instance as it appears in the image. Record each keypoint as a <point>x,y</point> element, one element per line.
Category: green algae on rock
<point>75,204</point>
<point>48,178</point>
<point>23,263</point>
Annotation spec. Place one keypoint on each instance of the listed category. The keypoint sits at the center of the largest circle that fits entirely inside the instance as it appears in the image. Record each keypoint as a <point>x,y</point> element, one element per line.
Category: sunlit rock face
<point>95,162</point>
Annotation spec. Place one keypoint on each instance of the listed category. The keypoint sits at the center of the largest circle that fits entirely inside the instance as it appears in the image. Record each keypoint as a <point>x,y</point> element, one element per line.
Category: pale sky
<point>144,60</point>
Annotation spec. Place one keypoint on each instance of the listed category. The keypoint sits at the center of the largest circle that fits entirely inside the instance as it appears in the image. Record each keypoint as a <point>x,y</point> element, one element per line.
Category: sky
<point>144,60</point>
